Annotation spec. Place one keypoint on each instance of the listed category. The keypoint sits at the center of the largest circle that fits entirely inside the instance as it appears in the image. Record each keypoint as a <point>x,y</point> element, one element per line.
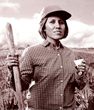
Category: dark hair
<point>42,27</point>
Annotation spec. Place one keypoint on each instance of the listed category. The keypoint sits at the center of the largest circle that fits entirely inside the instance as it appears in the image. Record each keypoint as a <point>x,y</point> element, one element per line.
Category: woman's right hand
<point>12,60</point>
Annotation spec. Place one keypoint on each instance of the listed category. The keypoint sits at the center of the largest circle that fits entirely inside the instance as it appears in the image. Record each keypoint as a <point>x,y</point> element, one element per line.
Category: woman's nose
<point>57,24</point>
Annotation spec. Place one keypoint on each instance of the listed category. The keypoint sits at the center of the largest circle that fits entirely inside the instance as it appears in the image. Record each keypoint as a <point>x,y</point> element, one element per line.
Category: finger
<point>81,67</point>
<point>84,61</point>
<point>10,59</point>
<point>9,55</point>
<point>78,68</point>
<point>82,64</point>
<point>81,70</point>
<point>13,56</point>
<point>12,64</point>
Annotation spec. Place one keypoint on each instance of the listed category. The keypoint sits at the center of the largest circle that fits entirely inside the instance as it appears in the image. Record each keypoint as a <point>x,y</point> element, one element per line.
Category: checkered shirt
<point>54,73</point>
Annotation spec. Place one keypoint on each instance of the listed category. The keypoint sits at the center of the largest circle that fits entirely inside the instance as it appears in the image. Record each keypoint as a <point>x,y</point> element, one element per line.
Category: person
<point>51,65</point>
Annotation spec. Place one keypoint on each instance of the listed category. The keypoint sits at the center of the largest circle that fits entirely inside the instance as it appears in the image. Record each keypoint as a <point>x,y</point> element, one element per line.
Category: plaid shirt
<point>53,70</point>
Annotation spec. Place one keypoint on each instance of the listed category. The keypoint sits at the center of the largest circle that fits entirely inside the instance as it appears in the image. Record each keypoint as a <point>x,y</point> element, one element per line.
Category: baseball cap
<point>54,9</point>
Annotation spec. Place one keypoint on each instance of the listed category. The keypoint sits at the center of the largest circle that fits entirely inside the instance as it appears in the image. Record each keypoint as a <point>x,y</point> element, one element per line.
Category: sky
<point>24,18</point>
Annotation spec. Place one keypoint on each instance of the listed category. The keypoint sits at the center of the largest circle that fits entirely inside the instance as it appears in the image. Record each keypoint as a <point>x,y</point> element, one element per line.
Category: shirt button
<point>58,54</point>
<point>61,94</point>
<point>60,108</point>
<point>61,81</point>
<point>61,66</point>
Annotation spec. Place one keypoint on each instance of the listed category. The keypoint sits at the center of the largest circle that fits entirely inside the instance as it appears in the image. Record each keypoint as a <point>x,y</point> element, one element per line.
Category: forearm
<point>80,80</point>
<point>24,83</point>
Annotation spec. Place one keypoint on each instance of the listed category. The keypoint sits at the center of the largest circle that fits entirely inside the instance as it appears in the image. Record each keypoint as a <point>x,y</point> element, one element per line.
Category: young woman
<point>51,65</point>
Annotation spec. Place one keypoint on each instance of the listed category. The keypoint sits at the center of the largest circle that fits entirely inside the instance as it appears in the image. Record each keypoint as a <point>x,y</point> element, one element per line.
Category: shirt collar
<point>47,43</point>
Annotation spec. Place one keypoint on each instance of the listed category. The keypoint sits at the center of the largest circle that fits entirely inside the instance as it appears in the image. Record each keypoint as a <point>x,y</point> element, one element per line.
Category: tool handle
<point>16,72</point>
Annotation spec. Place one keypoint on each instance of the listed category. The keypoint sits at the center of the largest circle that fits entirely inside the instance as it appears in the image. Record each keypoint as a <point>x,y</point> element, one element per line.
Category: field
<point>86,53</point>
<point>7,94</point>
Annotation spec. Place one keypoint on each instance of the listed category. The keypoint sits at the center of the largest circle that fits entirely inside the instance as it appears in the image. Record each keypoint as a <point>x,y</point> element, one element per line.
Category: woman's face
<point>54,28</point>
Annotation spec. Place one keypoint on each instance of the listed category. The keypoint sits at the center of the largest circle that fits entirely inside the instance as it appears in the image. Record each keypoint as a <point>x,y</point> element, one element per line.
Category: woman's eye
<point>61,22</point>
<point>53,21</point>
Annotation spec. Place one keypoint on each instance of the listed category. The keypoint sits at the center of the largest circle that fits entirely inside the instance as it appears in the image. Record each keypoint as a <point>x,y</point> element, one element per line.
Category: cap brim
<point>63,14</point>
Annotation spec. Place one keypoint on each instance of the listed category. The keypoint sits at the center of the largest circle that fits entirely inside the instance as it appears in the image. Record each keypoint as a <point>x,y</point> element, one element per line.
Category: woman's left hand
<point>81,68</point>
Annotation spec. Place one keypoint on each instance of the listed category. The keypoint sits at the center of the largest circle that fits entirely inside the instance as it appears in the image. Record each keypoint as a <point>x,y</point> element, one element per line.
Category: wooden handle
<point>10,40</point>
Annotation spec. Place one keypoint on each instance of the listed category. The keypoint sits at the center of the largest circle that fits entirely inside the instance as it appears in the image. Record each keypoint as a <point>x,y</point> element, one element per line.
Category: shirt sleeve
<point>26,69</point>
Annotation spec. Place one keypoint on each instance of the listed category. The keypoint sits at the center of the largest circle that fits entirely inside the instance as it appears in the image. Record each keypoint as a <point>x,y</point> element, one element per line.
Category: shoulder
<point>70,52</point>
<point>31,49</point>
